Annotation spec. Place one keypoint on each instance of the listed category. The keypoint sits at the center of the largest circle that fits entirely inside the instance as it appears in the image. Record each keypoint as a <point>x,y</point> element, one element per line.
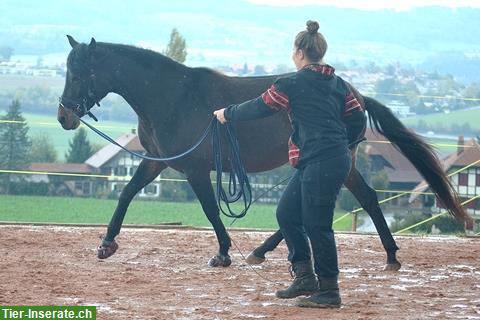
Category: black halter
<point>80,108</point>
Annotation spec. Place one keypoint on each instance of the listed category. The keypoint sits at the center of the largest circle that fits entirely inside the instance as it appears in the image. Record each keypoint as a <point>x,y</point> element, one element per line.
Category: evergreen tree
<point>176,48</point>
<point>79,148</point>
<point>43,149</point>
<point>5,53</point>
<point>14,143</point>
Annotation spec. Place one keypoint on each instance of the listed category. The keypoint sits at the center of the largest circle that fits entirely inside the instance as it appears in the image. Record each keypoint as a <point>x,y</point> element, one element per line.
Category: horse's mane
<point>134,52</point>
<point>145,57</point>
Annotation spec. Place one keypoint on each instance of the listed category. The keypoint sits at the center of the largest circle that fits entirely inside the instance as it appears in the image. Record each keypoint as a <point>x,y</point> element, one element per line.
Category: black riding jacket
<point>326,117</point>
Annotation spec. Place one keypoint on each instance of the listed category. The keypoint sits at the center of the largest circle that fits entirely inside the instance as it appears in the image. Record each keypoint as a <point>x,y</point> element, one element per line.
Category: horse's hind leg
<point>200,181</point>
<point>146,172</point>
<point>367,197</point>
<point>257,256</point>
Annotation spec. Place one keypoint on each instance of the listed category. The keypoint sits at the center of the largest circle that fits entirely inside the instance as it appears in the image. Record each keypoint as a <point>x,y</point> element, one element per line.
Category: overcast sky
<point>373,4</point>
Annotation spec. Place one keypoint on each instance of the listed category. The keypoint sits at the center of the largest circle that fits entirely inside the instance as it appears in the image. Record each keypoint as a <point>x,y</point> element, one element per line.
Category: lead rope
<point>238,185</point>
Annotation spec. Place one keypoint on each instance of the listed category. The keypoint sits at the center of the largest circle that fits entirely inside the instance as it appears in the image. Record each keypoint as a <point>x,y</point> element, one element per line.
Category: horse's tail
<point>420,154</point>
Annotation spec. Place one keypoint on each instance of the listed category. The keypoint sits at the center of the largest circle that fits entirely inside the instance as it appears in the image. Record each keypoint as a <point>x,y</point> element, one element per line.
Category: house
<point>400,109</point>
<point>402,175</point>
<point>65,179</point>
<point>119,166</point>
<point>463,166</point>
<point>106,171</point>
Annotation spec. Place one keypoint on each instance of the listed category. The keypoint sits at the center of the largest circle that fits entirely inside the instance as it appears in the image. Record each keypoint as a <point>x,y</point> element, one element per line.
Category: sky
<point>399,5</point>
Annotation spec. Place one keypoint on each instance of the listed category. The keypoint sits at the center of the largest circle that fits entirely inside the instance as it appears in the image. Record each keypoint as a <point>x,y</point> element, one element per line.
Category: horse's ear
<point>92,45</point>
<point>72,41</point>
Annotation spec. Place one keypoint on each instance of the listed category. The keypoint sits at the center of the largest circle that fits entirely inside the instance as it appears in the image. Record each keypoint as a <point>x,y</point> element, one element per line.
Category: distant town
<point>407,91</point>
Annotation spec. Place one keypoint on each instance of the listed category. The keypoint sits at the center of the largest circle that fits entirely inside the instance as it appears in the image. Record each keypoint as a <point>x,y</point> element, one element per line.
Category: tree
<point>79,148</point>
<point>446,85</point>
<point>14,143</point>
<point>411,92</point>
<point>5,53</point>
<point>384,87</point>
<point>347,201</point>
<point>363,163</point>
<point>43,149</point>
<point>472,91</point>
<point>245,69</point>
<point>259,70</point>
<point>176,48</point>
<point>379,180</point>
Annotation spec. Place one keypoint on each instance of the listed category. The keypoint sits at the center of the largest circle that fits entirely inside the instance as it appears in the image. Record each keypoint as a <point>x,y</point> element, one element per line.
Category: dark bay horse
<point>174,105</point>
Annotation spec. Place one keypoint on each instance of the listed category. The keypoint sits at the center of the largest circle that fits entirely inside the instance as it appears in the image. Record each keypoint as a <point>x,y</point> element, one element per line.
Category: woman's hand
<point>220,114</point>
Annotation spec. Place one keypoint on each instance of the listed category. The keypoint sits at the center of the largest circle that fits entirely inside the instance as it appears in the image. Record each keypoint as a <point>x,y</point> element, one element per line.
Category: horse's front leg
<point>201,185</point>
<point>146,172</point>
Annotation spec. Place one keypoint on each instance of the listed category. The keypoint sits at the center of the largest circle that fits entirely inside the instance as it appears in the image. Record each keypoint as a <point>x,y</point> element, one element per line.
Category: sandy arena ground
<point>163,274</point>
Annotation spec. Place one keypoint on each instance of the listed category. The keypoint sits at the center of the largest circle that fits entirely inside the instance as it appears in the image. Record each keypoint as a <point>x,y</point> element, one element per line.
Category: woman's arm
<point>248,110</point>
<point>354,119</point>
<point>270,102</point>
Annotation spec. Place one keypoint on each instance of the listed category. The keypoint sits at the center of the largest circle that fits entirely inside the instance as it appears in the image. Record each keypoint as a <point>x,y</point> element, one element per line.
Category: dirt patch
<point>163,274</point>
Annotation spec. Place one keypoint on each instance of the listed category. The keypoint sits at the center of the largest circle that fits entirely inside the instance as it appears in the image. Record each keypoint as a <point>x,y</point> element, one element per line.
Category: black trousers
<point>305,212</point>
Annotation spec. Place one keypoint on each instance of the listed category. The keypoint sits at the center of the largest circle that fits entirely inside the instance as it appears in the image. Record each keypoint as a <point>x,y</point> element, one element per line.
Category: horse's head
<point>83,85</point>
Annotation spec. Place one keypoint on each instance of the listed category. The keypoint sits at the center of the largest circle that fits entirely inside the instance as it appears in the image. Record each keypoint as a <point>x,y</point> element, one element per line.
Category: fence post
<point>354,221</point>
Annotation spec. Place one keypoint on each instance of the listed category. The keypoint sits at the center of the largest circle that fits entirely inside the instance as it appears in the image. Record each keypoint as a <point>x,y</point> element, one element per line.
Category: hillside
<point>239,31</point>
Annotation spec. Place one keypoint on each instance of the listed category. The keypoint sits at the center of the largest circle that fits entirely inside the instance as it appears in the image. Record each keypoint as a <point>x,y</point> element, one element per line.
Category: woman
<point>320,107</point>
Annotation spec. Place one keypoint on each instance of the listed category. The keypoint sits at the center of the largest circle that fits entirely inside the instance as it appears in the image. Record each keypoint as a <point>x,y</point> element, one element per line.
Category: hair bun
<point>312,26</point>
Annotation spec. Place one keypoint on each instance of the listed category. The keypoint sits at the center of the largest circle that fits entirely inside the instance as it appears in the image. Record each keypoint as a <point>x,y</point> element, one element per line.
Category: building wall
<point>467,185</point>
<point>121,168</point>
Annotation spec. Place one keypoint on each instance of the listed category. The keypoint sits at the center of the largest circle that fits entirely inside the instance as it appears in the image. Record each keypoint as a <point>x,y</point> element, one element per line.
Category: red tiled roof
<point>61,167</point>
<point>135,145</point>
<point>402,170</point>
<point>469,155</point>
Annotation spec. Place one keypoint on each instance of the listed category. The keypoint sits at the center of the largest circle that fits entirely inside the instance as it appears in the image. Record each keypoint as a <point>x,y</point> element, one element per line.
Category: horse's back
<point>263,142</point>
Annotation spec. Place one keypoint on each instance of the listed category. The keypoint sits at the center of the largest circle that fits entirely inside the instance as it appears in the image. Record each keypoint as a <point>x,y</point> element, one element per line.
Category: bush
<point>447,224</point>
<point>347,201</point>
<point>402,222</point>
<point>29,188</point>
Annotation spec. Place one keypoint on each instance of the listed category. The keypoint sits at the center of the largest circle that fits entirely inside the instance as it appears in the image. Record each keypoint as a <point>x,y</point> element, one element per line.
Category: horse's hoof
<point>392,266</point>
<point>105,251</point>
<point>252,258</point>
<point>220,261</point>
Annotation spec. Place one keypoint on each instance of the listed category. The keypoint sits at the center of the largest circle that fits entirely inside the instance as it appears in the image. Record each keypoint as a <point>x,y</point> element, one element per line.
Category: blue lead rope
<point>238,185</point>
<point>178,156</point>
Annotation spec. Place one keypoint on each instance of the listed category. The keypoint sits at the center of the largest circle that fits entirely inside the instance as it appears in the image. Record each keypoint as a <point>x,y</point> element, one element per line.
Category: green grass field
<point>443,146</point>
<point>472,117</point>
<point>13,82</point>
<point>99,211</point>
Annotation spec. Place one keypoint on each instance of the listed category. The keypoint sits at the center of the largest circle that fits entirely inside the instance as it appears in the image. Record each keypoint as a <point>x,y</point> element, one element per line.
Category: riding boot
<point>304,282</point>
<point>327,296</point>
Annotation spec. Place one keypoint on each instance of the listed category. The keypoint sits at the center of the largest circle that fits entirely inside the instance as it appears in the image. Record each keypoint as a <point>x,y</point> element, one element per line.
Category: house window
<point>118,187</point>
<point>478,180</point>
<point>120,171</point>
<point>133,169</point>
<point>151,189</point>
<point>78,185</point>
<point>462,179</point>
<point>86,188</point>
